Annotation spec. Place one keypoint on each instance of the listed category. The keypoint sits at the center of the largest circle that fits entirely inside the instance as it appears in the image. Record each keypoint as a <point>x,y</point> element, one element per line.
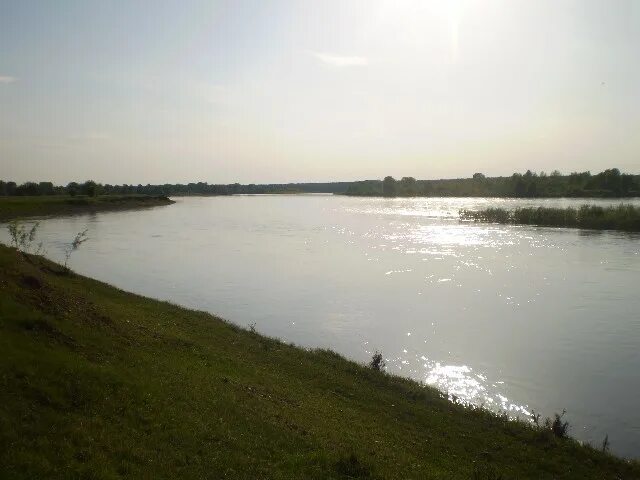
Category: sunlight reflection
<point>460,383</point>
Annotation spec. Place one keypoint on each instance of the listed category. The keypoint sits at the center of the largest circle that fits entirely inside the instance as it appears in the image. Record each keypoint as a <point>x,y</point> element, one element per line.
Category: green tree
<point>28,188</point>
<point>45,188</point>
<point>73,189</point>
<point>90,188</point>
<point>408,186</point>
<point>389,187</point>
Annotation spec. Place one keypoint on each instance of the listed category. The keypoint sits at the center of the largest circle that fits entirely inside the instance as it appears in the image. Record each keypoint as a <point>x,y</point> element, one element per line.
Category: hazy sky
<point>160,91</point>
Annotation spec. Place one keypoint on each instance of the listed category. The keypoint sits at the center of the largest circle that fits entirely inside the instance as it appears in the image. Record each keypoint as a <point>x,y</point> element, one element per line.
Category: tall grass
<point>620,217</point>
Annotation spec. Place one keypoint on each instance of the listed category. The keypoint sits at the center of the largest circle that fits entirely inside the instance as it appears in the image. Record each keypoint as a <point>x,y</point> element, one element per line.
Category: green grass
<point>18,207</point>
<point>620,217</point>
<point>99,383</point>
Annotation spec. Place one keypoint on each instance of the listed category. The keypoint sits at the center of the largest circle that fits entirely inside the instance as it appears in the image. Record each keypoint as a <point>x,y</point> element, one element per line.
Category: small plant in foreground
<point>606,444</point>
<point>252,327</point>
<point>377,362</point>
<point>535,418</point>
<point>559,428</point>
<point>22,237</point>
<point>80,238</point>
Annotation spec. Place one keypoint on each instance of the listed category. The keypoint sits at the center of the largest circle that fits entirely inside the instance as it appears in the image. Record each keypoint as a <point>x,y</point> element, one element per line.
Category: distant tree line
<point>609,183</point>
<point>91,188</point>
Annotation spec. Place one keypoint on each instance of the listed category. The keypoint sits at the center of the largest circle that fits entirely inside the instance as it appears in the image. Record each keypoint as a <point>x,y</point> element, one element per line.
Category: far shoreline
<point>13,208</point>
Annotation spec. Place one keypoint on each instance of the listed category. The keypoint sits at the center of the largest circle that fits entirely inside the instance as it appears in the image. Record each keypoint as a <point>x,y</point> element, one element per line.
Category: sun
<point>410,21</point>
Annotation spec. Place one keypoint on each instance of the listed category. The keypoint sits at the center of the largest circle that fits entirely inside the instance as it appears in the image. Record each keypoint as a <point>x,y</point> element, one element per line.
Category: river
<point>516,318</point>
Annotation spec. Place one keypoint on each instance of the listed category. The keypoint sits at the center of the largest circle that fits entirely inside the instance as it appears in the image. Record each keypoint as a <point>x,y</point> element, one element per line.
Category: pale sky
<point>277,91</point>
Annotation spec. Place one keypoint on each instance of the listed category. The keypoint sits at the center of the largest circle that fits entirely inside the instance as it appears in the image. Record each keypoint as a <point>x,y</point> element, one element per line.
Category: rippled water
<point>516,318</point>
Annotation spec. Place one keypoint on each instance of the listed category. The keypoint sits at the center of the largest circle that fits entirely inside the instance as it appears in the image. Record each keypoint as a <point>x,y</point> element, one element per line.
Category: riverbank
<point>99,382</point>
<point>21,207</point>
<point>621,217</point>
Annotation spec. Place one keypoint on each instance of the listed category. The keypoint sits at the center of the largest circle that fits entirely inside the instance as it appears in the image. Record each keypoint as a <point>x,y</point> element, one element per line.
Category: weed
<point>41,251</point>
<point>80,238</point>
<point>23,237</point>
<point>535,418</point>
<point>377,362</point>
<point>559,428</point>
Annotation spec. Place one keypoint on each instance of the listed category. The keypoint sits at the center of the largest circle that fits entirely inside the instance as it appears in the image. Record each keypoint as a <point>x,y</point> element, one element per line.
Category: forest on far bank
<point>609,183</point>
<point>91,188</point>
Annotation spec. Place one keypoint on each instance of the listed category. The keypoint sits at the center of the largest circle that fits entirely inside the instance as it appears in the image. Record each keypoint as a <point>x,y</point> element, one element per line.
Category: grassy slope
<point>13,207</point>
<point>99,383</point>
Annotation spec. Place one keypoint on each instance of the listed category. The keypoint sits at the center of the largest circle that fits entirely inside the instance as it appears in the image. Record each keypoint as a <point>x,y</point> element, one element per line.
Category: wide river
<point>516,318</point>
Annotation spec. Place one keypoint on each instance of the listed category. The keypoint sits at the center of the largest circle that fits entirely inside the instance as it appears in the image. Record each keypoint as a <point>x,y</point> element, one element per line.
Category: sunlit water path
<point>515,318</point>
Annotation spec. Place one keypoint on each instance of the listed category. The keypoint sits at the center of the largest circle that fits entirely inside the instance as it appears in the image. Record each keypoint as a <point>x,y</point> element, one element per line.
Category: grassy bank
<point>621,217</point>
<point>99,383</point>
<point>17,207</point>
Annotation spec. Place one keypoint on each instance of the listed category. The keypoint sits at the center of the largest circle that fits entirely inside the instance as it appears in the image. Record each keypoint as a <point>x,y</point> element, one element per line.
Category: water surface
<point>515,318</point>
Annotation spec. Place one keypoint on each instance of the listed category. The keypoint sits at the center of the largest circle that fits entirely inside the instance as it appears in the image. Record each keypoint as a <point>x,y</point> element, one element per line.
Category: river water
<point>517,318</point>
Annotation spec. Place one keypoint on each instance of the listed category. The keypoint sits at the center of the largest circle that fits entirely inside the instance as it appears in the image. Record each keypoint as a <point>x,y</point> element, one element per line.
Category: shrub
<point>377,362</point>
<point>559,428</point>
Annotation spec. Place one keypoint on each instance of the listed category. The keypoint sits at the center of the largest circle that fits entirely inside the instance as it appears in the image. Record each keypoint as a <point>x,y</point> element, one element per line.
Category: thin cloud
<point>7,79</point>
<point>341,60</point>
